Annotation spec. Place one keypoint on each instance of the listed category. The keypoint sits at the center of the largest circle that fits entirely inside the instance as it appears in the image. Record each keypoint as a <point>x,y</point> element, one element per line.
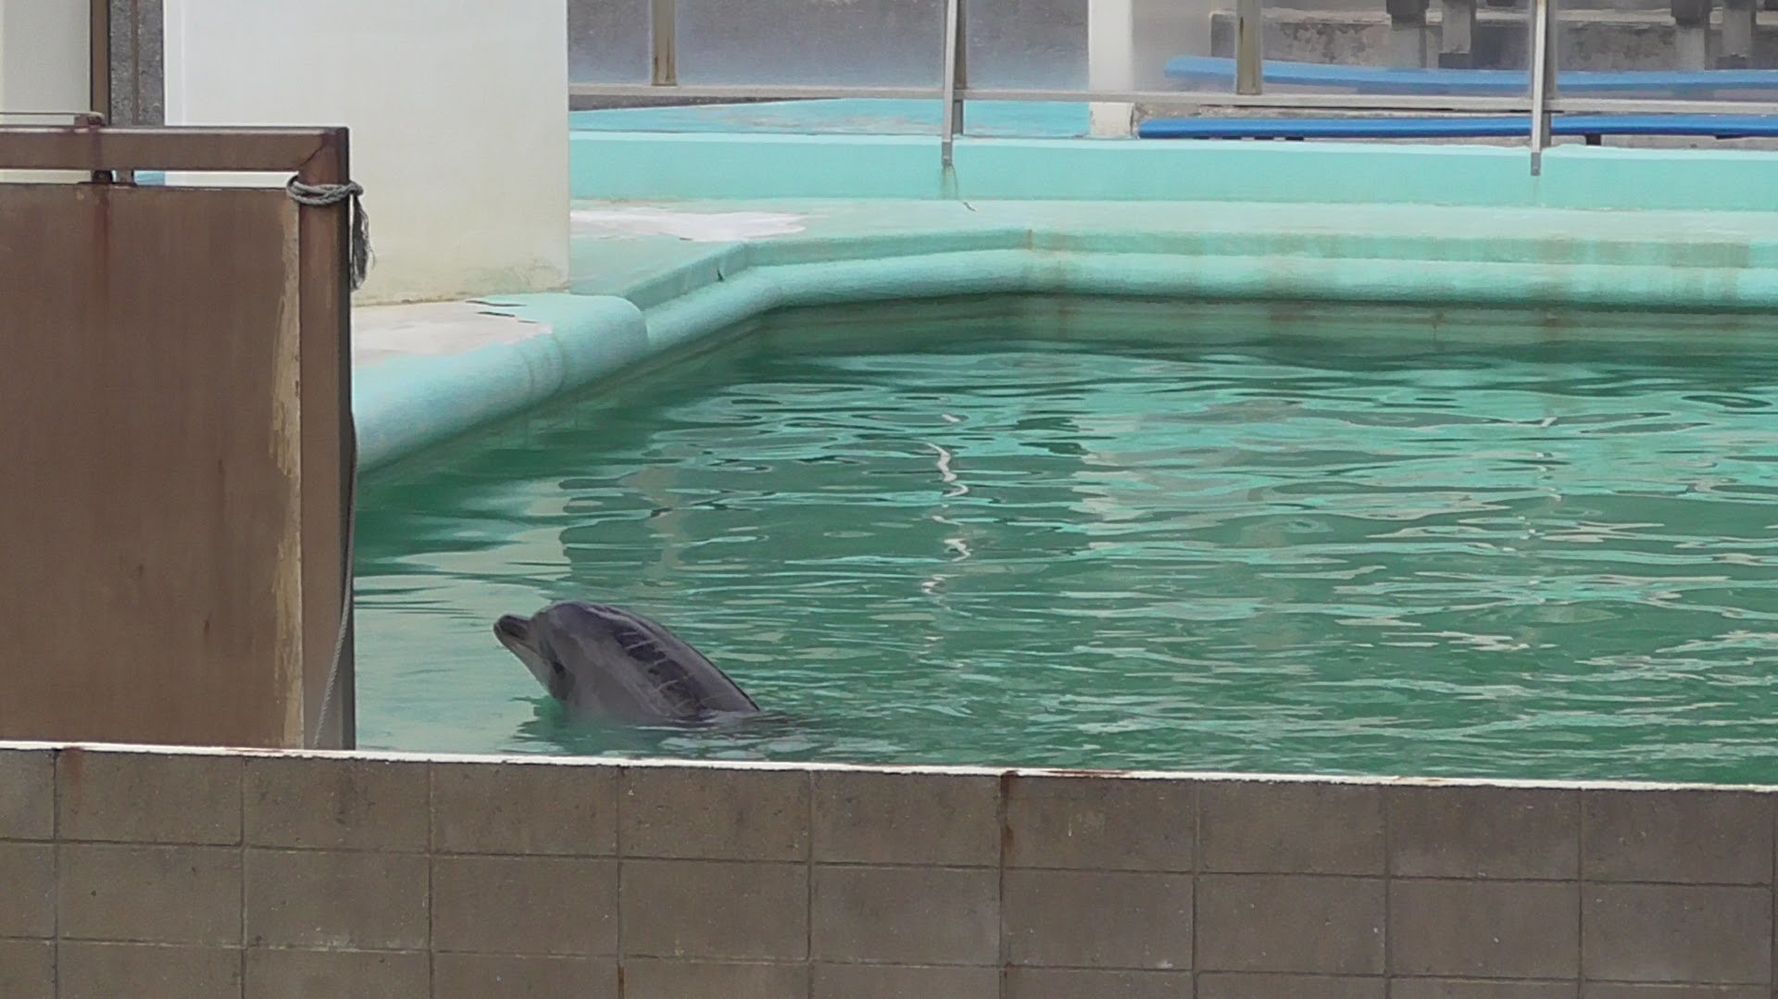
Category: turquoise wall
<point>668,165</point>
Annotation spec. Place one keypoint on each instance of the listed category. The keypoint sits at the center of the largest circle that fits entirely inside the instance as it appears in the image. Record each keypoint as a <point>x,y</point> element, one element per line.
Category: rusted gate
<point>175,442</point>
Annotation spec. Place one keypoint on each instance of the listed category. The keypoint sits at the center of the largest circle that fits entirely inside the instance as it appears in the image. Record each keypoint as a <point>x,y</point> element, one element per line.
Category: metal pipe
<point>954,80</point>
<point>664,32</point>
<point>1543,79</point>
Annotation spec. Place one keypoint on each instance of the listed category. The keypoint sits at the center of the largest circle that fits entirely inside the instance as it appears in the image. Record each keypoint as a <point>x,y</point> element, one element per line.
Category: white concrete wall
<point>1111,54</point>
<point>43,67</point>
<point>459,119</point>
<point>43,55</point>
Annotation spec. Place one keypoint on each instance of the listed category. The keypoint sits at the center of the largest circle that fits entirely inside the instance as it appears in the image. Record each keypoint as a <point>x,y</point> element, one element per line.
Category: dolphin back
<point>627,665</point>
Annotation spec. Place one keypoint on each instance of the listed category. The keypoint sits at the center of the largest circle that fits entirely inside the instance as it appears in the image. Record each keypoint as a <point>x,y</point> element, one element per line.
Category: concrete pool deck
<point>652,276</point>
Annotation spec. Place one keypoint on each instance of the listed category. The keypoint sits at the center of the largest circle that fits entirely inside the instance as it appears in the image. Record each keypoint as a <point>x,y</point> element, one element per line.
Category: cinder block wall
<point>188,875</point>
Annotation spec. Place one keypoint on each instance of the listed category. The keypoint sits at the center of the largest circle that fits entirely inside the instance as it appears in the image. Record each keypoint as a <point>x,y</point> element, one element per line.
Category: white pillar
<point>1111,64</point>
<point>43,65</point>
<point>458,114</point>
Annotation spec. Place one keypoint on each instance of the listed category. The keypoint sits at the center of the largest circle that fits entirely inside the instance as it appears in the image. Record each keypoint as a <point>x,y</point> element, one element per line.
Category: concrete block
<point>1290,828</point>
<point>337,804</point>
<point>148,971</point>
<point>899,981</point>
<point>1098,919</point>
<point>484,976</point>
<point>524,809</point>
<point>150,798</point>
<point>715,910</point>
<point>1484,929</point>
<point>1480,832</point>
<point>1279,923</point>
<point>1472,988</point>
<point>1685,836</point>
<point>714,814</point>
<point>28,903</point>
<point>874,818</point>
<point>27,794</point>
<point>1097,823</point>
<point>150,894</point>
<point>654,978</point>
<point>907,915</point>
<point>325,974</point>
<point>324,899</point>
<point>1288,987</point>
<point>1076,983</point>
<point>1617,991</point>
<point>1677,933</point>
<point>28,969</point>
<point>524,905</point>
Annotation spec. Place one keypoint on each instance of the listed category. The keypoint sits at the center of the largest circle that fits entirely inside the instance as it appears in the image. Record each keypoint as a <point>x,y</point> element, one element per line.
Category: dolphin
<point>609,663</point>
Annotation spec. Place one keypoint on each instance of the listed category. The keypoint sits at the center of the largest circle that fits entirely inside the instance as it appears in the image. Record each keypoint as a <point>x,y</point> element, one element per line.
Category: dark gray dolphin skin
<point>608,663</point>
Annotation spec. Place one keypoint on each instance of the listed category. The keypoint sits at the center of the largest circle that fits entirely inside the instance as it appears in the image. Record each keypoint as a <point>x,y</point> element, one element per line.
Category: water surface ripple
<point>1246,547</point>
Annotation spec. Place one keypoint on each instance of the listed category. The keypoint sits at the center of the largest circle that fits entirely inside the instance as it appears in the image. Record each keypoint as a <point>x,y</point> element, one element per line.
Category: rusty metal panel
<point>160,435</point>
<point>221,149</point>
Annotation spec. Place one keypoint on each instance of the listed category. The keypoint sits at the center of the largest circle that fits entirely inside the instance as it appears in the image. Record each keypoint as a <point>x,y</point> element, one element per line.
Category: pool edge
<point>406,406</point>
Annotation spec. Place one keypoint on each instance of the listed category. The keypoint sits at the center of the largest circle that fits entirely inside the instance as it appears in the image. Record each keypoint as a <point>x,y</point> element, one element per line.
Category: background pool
<point>1061,534</point>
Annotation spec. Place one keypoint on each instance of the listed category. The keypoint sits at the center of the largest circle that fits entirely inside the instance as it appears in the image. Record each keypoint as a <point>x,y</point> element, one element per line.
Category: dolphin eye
<point>557,668</point>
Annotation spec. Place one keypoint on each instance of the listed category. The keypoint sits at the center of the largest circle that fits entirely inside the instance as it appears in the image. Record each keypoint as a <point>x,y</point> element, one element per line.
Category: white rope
<point>328,195</point>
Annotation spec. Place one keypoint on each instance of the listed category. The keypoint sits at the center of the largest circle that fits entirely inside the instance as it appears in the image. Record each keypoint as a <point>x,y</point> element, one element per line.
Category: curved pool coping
<point>408,405</point>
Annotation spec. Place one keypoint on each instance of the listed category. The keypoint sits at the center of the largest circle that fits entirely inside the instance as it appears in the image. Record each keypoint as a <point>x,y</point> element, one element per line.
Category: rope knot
<point>328,195</point>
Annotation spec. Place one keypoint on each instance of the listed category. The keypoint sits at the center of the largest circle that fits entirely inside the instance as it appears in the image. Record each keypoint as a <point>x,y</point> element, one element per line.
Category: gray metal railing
<point>1540,101</point>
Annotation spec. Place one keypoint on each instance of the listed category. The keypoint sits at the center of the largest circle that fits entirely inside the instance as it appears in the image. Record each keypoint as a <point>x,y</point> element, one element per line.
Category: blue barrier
<point>1220,72</point>
<point>1452,126</point>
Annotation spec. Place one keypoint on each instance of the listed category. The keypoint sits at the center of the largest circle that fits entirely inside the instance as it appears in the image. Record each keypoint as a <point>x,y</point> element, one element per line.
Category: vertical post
<point>1408,32</point>
<point>955,79</point>
<point>1249,47</point>
<point>329,453</point>
<point>140,54</point>
<point>665,32</point>
<point>1111,63</point>
<point>1691,33</point>
<point>99,56</point>
<point>1456,37</point>
<point>1543,78</point>
<point>1738,23</point>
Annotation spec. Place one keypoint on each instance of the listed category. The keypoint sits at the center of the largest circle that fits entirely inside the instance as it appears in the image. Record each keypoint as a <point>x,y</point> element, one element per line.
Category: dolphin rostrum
<point>606,662</point>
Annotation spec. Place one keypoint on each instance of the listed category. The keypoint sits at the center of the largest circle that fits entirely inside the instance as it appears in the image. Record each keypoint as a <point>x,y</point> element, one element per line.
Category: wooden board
<point>151,443</point>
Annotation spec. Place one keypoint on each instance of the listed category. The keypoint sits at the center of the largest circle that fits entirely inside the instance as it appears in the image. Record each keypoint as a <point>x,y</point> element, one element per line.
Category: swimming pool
<point>1060,533</point>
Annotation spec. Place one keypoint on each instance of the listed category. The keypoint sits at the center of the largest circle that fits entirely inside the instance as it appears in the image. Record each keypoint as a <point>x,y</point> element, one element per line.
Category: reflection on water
<point>1166,539</point>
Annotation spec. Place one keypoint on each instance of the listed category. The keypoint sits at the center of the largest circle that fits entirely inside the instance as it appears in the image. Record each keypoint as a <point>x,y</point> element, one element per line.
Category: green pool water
<point>1149,537</point>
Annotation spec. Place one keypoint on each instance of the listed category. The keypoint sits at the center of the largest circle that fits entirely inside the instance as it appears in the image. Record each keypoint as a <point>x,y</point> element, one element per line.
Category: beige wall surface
<point>458,113</point>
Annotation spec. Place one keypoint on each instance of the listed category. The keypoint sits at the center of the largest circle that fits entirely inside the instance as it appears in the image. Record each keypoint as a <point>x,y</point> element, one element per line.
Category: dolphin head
<point>528,639</point>
<point>608,662</point>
